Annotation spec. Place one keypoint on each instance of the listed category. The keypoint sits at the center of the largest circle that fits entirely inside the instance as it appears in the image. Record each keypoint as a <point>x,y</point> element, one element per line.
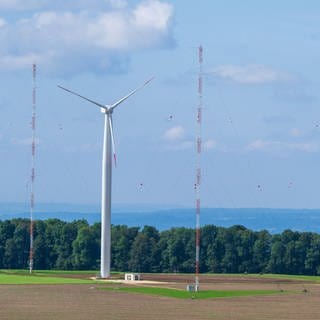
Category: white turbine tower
<point>108,144</point>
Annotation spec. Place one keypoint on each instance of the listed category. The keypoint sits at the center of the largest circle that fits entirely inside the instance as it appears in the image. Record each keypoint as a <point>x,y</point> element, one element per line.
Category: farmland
<point>72,295</point>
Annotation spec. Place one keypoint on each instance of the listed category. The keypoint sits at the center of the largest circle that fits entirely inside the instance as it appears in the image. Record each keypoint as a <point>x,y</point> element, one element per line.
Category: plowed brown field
<point>77,302</point>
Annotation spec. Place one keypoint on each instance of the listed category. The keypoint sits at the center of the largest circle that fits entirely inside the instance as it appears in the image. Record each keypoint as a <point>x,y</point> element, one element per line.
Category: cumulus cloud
<point>174,134</point>
<point>176,139</point>
<point>269,146</point>
<point>77,41</point>
<point>251,74</point>
<point>152,14</point>
<point>10,63</point>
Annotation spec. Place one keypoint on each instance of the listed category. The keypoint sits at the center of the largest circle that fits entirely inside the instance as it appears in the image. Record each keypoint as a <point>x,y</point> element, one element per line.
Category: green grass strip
<point>181,294</point>
<point>34,279</point>
<point>49,272</point>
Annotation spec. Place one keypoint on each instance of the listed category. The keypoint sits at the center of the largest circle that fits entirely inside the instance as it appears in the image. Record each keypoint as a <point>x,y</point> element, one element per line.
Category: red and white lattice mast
<point>198,169</point>
<point>33,153</point>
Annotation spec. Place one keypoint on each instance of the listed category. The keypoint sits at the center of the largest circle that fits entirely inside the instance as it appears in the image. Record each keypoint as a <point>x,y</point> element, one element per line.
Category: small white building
<point>132,276</point>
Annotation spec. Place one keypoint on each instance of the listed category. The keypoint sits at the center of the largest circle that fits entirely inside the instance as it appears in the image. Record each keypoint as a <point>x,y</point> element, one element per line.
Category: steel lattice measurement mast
<point>33,153</point>
<point>198,169</point>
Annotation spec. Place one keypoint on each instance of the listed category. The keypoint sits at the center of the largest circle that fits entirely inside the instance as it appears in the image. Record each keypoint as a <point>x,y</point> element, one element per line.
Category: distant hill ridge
<point>273,220</point>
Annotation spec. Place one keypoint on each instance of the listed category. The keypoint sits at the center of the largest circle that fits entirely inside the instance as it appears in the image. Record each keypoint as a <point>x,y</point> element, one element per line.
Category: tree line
<point>76,246</point>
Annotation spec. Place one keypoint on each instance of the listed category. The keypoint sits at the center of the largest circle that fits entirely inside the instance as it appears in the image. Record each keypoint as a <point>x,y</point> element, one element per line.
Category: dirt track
<point>68,302</point>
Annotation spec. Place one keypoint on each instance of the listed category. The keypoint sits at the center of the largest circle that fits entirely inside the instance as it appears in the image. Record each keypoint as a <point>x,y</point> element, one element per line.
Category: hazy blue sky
<point>261,100</point>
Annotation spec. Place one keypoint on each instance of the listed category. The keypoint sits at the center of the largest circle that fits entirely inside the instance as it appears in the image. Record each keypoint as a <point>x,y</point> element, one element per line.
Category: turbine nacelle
<point>107,109</point>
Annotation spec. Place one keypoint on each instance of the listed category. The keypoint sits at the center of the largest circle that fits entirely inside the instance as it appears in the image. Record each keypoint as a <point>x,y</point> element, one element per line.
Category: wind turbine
<point>108,144</point>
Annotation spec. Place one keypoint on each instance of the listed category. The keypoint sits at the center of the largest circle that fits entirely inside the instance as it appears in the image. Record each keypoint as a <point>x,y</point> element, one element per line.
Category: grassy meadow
<point>25,278</point>
<point>183,294</point>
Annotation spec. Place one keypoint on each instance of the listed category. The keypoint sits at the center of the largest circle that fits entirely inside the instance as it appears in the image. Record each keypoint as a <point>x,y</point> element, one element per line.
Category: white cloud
<point>295,132</point>
<point>153,14</point>
<point>175,138</point>
<point>2,23</point>
<point>174,134</point>
<point>209,144</point>
<point>270,146</point>
<point>251,74</point>
<point>64,42</point>
<point>147,25</point>
<point>9,63</point>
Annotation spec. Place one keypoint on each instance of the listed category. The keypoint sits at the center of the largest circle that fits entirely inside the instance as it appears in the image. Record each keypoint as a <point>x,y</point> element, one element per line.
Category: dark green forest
<point>76,246</point>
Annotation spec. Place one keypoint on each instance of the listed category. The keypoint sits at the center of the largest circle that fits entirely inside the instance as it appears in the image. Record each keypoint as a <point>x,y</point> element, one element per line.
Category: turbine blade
<point>76,94</point>
<point>112,141</point>
<point>130,94</point>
